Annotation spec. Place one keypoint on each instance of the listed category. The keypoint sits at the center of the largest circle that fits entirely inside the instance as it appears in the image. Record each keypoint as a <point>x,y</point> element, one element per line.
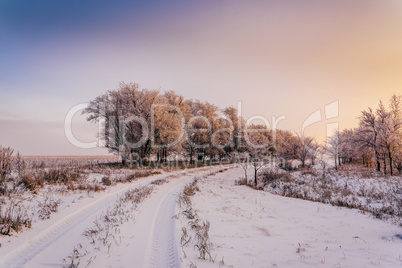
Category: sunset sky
<point>277,57</point>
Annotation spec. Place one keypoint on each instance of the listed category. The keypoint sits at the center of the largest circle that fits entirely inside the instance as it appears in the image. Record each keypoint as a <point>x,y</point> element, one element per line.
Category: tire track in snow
<point>163,250</point>
<point>164,246</point>
<point>27,251</point>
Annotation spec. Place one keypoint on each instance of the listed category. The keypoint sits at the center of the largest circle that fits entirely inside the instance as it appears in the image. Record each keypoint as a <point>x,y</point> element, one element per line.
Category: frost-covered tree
<point>314,151</point>
<point>347,148</point>
<point>332,147</point>
<point>303,148</point>
<point>389,129</point>
<point>384,126</point>
<point>200,128</point>
<point>125,117</point>
<point>285,146</point>
<point>258,140</point>
<point>367,135</point>
<point>238,125</point>
<point>379,134</point>
<point>395,148</point>
<point>168,125</point>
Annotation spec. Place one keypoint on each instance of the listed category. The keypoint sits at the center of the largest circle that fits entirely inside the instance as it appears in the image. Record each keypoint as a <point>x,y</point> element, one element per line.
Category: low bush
<point>241,181</point>
<point>201,241</point>
<point>131,177</point>
<point>159,181</point>
<point>191,188</point>
<point>14,217</point>
<point>5,162</point>
<point>31,181</point>
<point>62,175</point>
<point>106,181</point>
<point>89,187</point>
<point>138,174</point>
<point>34,179</point>
<point>269,176</point>
<point>47,207</point>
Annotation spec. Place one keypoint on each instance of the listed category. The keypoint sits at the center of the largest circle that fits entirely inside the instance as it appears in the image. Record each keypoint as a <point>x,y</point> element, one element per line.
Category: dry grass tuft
<point>14,217</point>
<point>263,230</point>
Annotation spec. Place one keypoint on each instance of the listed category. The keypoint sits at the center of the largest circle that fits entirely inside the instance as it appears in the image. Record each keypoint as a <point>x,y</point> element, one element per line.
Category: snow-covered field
<point>140,224</point>
<point>352,186</point>
<point>250,228</point>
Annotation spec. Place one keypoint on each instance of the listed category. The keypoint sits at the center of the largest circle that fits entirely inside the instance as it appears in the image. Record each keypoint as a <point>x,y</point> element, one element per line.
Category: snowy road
<point>37,246</point>
<point>149,240</point>
<point>153,240</point>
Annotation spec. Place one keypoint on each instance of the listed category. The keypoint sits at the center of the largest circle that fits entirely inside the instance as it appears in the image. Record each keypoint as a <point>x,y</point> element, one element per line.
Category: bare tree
<point>314,151</point>
<point>243,159</point>
<point>303,148</point>
<point>379,134</point>
<point>259,143</point>
<point>367,134</point>
<point>332,147</point>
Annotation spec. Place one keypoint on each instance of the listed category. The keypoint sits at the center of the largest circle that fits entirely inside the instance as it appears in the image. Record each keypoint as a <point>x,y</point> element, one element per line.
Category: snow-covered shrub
<point>191,188</point>
<point>14,217</point>
<point>61,175</point>
<point>5,162</point>
<point>241,181</point>
<point>350,186</point>
<point>270,175</point>
<point>201,242</point>
<point>47,207</point>
<point>32,180</point>
<point>106,181</point>
<point>159,181</point>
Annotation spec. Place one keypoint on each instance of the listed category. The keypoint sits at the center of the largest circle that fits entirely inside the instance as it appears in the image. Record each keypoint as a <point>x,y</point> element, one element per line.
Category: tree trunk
<point>390,162</point>
<point>245,174</point>
<point>378,161</point>
<point>336,165</point>
<point>164,155</point>
<point>191,156</point>
<point>255,176</point>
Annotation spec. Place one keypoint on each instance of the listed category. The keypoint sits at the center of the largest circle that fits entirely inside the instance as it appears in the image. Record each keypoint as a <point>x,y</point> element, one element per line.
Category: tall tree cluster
<point>377,141</point>
<point>142,122</point>
<point>139,123</point>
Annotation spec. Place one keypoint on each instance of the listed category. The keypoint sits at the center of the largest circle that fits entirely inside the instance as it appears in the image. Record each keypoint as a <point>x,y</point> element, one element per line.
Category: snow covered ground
<point>138,239</point>
<point>352,186</point>
<point>248,228</point>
